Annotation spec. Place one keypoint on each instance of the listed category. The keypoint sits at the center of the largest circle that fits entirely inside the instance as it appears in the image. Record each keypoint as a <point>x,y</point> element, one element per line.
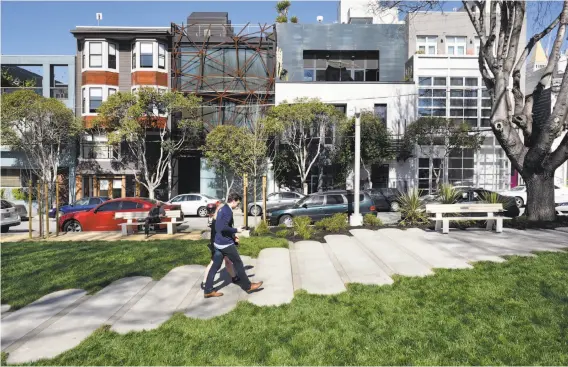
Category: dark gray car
<point>273,200</point>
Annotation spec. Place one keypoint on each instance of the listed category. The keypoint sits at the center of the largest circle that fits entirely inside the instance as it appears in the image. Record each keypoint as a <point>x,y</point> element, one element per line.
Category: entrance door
<point>380,176</point>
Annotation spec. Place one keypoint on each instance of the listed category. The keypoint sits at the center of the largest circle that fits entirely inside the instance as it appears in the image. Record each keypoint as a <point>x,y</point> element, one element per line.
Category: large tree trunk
<point>540,197</point>
<point>305,186</point>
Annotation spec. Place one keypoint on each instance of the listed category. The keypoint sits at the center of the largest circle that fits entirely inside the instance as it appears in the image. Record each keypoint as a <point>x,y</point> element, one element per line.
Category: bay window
<point>162,56</point>
<point>95,54</point>
<point>112,56</point>
<point>95,99</point>
<point>146,55</point>
<point>134,56</point>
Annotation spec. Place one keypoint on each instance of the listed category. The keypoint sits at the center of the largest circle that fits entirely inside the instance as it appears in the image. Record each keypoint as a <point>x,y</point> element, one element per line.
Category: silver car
<point>9,216</point>
<point>273,200</point>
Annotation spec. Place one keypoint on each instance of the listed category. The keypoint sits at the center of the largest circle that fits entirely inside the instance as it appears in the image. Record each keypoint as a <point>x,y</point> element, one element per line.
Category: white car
<point>562,208</point>
<point>520,194</point>
<point>9,216</point>
<point>193,204</point>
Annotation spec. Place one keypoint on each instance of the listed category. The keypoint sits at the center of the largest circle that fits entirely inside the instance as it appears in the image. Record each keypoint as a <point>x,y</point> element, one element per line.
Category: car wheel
<point>395,207</point>
<point>255,211</point>
<point>202,212</point>
<point>4,229</point>
<point>287,220</point>
<point>519,201</point>
<point>72,226</point>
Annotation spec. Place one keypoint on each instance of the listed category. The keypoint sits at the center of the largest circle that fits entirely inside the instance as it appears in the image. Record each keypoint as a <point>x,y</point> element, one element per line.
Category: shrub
<point>303,228</point>
<point>261,229</point>
<point>490,197</point>
<point>412,209</point>
<point>449,194</point>
<point>2,193</point>
<point>283,233</point>
<point>335,223</point>
<point>371,220</point>
<point>19,194</point>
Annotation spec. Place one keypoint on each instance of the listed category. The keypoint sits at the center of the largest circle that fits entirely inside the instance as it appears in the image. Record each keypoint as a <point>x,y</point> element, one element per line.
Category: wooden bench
<point>133,220</point>
<point>485,212</point>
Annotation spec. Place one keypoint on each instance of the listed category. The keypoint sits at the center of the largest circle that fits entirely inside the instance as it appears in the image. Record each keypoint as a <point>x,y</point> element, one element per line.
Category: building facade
<point>110,60</point>
<point>51,76</point>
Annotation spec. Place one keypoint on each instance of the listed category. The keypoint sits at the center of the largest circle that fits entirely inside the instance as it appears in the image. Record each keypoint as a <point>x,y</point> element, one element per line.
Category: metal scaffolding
<point>232,68</point>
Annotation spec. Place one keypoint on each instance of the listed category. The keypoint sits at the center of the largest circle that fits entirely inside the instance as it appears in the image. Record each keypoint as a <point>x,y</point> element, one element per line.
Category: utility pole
<point>356,219</point>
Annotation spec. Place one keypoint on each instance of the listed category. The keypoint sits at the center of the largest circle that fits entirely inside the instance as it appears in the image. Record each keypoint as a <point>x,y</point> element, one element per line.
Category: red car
<point>101,218</point>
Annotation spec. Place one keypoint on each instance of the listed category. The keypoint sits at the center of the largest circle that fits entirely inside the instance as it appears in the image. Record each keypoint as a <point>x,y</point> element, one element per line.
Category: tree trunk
<point>305,186</point>
<point>151,193</point>
<point>170,178</point>
<point>320,178</point>
<point>540,197</point>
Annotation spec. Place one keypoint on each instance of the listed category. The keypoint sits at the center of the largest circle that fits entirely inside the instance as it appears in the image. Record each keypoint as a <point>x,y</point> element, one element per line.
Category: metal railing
<point>99,151</point>
<point>224,30</point>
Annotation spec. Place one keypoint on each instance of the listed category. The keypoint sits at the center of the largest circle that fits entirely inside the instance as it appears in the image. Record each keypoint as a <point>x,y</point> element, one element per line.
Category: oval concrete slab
<point>274,269</point>
<point>317,273</point>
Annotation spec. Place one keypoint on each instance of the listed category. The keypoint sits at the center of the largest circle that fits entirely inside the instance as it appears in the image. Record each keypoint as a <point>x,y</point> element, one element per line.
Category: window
<point>178,199</point>
<point>95,99</point>
<point>11,177</point>
<point>111,91</point>
<point>94,201</point>
<point>315,200</point>
<point>146,55</point>
<point>129,205</point>
<point>477,45</point>
<point>427,45</point>
<point>273,197</point>
<point>432,96</point>
<point>334,199</point>
<point>456,45</point>
<point>59,82</point>
<point>95,54</point>
<point>288,195</point>
<point>381,112</point>
<point>84,102</point>
<point>341,66</point>
<point>461,167</point>
<point>192,198</point>
<point>134,56</point>
<point>84,201</point>
<point>110,207</point>
<point>112,56</point>
<point>368,20</point>
<point>162,56</point>
<point>464,95</point>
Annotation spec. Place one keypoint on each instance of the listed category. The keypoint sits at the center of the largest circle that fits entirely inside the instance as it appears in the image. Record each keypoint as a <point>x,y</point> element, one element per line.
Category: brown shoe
<point>213,294</point>
<point>254,287</point>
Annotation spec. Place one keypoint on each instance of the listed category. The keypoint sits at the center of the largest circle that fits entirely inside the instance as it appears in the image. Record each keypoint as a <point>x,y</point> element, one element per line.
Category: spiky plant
<point>449,194</point>
<point>412,209</point>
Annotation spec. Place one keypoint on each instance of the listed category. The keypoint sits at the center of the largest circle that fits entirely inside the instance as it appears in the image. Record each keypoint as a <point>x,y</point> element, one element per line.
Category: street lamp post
<point>356,219</point>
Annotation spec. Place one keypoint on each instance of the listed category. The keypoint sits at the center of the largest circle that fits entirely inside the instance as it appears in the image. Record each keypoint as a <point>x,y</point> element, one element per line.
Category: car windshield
<point>518,188</point>
<point>301,201</point>
<point>84,201</point>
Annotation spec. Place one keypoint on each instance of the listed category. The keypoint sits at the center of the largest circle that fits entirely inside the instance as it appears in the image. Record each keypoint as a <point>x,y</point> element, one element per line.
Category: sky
<point>43,27</point>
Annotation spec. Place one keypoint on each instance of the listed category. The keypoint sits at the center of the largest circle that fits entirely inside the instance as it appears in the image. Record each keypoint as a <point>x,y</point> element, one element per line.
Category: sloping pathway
<point>59,321</point>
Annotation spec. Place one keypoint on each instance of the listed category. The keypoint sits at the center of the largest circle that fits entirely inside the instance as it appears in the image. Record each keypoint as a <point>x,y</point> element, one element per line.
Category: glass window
<point>84,201</point>
<point>477,45</point>
<point>315,200</point>
<point>84,104</point>
<point>361,20</point>
<point>334,199</point>
<point>273,197</point>
<point>146,55</point>
<point>134,56</point>
<point>59,81</point>
<point>162,56</point>
<point>456,81</point>
<point>440,81</point>
<point>95,99</point>
<point>193,198</point>
<point>471,82</point>
<point>427,44</point>
<point>381,112</point>
<point>456,45</point>
<point>424,81</point>
<point>112,56</point>
<point>309,75</point>
<point>110,207</point>
<point>129,205</point>
<point>95,54</point>
<point>111,91</point>
<point>288,195</point>
<point>94,201</point>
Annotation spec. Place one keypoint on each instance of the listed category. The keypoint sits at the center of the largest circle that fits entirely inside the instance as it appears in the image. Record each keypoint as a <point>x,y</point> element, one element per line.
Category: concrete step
<point>390,253</point>
<point>355,261</point>
<point>21,322</point>
<point>436,257</point>
<point>160,302</point>
<point>540,239</point>
<point>316,271</point>
<point>71,329</point>
<point>274,268</point>
<point>468,250</point>
<point>495,242</point>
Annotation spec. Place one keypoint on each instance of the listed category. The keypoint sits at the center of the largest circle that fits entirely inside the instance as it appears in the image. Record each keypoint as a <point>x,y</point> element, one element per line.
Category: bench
<point>133,220</point>
<point>485,212</point>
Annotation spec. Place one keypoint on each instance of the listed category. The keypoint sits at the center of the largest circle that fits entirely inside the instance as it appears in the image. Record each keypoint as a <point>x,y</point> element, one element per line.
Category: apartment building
<point>52,76</point>
<point>353,65</point>
<point>112,59</point>
<point>442,62</point>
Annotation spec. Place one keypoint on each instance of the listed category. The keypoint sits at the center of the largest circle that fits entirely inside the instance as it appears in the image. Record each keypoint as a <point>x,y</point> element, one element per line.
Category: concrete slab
<point>535,240</point>
<point>562,229</point>
<point>251,270</point>
<point>160,302</point>
<point>317,273</point>
<point>433,255</point>
<point>295,267</point>
<point>357,264</point>
<point>397,259</point>
<point>493,242</point>
<point>4,308</point>
<point>202,308</point>
<point>450,243</point>
<point>70,330</point>
<point>274,268</point>
<point>21,322</point>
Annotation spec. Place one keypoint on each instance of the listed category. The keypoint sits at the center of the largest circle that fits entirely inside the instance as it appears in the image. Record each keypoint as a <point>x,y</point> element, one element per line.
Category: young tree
<point>282,7</point>
<point>437,138</point>
<point>303,126</point>
<point>526,138</point>
<point>375,144</point>
<point>43,128</point>
<point>140,119</point>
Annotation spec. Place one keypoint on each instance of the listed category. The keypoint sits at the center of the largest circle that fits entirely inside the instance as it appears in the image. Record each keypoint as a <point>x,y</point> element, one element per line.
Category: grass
<point>31,270</point>
<point>513,313</point>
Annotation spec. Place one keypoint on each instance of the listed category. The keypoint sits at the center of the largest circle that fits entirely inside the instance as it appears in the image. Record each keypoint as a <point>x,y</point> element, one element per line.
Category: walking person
<point>225,246</point>
<point>228,263</point>
<point>154,216</point>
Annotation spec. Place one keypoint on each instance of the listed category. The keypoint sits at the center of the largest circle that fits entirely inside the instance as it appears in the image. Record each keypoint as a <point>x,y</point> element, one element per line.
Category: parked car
<point>386,199</point>
<point>520,194</point>
<point>8,216</point>
<point>193,204</point>
<point>476,195</point>
<point>79,206</point>
<point>562,208</point>
<point>320,205</point>
<point>101,218</point>
<point>273,200</point>
<point>21,210</point>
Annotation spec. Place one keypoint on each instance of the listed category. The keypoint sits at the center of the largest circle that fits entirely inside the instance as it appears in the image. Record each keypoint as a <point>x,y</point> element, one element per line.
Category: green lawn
<point>514,313</point>
<point>31,270</point>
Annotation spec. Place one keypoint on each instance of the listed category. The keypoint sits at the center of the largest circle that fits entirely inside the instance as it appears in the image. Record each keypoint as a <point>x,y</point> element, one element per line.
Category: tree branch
<point>560,155</point>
